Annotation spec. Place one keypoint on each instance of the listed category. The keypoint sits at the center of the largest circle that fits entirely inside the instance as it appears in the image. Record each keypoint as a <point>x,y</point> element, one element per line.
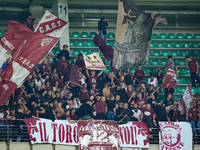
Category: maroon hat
<point>65,45</point>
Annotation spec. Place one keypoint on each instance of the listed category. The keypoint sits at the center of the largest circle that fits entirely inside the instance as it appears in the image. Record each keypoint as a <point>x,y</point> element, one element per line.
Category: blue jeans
<point>193,127</point>
<point>110,115</point>
<point>104,36</point>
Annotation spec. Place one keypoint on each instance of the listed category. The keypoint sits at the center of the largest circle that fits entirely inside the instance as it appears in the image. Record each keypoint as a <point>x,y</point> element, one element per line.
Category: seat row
<point>161,44</point>
<point>88,35</point>
<point>182,89</point>
<point>2,32</point>
<point>174,53</point>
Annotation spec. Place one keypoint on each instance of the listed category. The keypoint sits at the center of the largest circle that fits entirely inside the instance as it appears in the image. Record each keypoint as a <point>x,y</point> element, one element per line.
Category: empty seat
<point>1,32</point>
<point>156,53</point>
<point>113,44</point>
<point>198,53</point>
<point>155,62</point>
<point>168,45</point>
<point>100,53</point>
<point>178,98</point>
<point>162,36</point>
<point>196,36</point>
<point>186,80</point>
<point>152,70</point>
<point>176,90</point>
<point>72,61</point>
<point>133,70</point>
<point>76,52</point>
<point>76,35</point>
<point>72,43</point>
<point>150,53</point>
<point>108,43</point>
<point>154,36</point>
<point>188,36</point>
<point>70,35</point>
<point>84,35</point>
<point>92,34</point>
<point>192,53</point>
<point>165,53</point>
<point>111,35</point>
<point>145,70</point>
<point>180,71</point>
<point>182,89</point>
<point>89,43</point>
<point>186,45</point>
<point>171,36</point>
<point>179,81</point>
<point>163,62</point>
<point>194,45</point>
<point>86,51</point>
<point>160,44</point>
<point>183,53</point>
<point>181,62</point>
<point>152,45</point>
<point>180,36</point>
<point>174,60</point>
<point>108,69</point>
<point>186,72</point>
<point>174,53</point>
<point>194,90</point>
<point>161,90</point>
<point>177,45</point>
<point>56,51</point>
<point>199,90</point>
<point>108,62</point>
<point>80,43</point>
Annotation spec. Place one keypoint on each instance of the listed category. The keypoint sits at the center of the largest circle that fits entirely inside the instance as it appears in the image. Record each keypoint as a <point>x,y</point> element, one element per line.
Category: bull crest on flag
<point>46,41</point>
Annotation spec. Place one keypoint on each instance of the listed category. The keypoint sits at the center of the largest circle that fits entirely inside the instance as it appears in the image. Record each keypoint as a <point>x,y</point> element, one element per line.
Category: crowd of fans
<point>47,93</point>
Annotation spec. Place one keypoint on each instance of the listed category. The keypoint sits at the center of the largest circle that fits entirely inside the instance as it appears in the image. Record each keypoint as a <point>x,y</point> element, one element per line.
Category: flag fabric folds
<point>170,79</point>
<point>75,77</point>
<point>94,62</point>
<point>184,103</point>
<point>133,34</point>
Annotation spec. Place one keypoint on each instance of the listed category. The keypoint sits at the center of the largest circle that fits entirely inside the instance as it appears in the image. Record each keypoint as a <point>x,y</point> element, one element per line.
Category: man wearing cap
<point>102,28</point>
<point>64,52</point>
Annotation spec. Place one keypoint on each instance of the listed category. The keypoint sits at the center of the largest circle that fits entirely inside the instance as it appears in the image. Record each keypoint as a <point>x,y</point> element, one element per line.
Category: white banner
<point>175,136</point>
<point>132,134</point>
<point>94,62</point>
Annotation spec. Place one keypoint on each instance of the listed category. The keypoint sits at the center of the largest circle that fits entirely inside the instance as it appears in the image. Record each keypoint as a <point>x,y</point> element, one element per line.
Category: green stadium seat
<point>108,69</point>
<point>150,53</point>
<point>72,61</point>
<point>108,62</point>
<point>186,45</point>
<point>86,51</point>
<point>113,44</point>
<point>174,53</point>
<point>162,36</point>
<point>194,90</point>
<point>178,98</point>
<point>183,53</point>
<point>186,72</point>
<point>186,80</point>
<point>90,43</point>
<point>198,53</point>
<point>152,45</point>
<point>161,90</point>
<point>154,36</point>
<point>171,36</point>
<point>55,60</point>
<point>100,53</point>
<point>94,51</point>
<point>76,35</point>
<point>165,53</point>
<point>180,36</point>
<point>56,51</point>
<point>168,45</point>
<point>196,36</point>
<point>92,34</point>
<point>188,36</point>
<point>133,70</point>
<point>145,70</point>
<point>154,70</point>
<point>72,43</point>
<point>108,43</point>
<point>163,71</point>
<point>194,45</point>
<point>70,35</point>
<point>180,71</point>
<point>176,90</point>
<point>111,35</point>
<point>84,35</point>
<point>182,89</point>
<point>163,62</point>
<point>174,60</point>
<point>156,53</point>
<point>192,53</point>
<point>160,44</point>
<point>104,60</point>
<point>179,81</point>
<point>76,52</point>
<point>181,62</point>
<point>199,90</point>
<point>161,98</point>
<point>177,45</point>
<point>155,62</point>
<point>148,63</point>
<point>1,32</point>
<point>80,43</point>
<point>145,80</point>
<point>4,30</point>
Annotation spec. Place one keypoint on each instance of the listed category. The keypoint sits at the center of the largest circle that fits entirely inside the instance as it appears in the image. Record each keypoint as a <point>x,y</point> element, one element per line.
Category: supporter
<point>56,87</point>
<point>168,101</point>
<point>139,75</point>
<point>80,62</point>
<point>141,100</point>
<point>110,78</point>
<point>28,22</point>
<point>64,53</point>
<point>111,108</point>
<point>127,77</point>
<point>129,92</point>
<point>193,66</point>
<point>73,115</point>
<point>106,90</point>
<point>153,81</point>
<point>44,70</point>
<point>181,116</point>
<point>129,73</point>
<point>125,113</point>
<point>30,89</point>
<point>160,76</point>
<point>39,81</point>
<point>93,77</point>
<point>47,64</point>
<point>101,109</point>
<point>85,111</point>
<point>84,93</point>
<point>93,90</point>
<point>192,118</point>
<point>133,97</point>
<point>3,116</point>
<point>102,28</point>
<point>61,63</point>
<point>136,112</point>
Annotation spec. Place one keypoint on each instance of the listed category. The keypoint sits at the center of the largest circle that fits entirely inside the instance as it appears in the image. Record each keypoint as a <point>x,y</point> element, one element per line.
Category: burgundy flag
<point>75,77</point>
<point>170,79</point>
<point>32,47</point>
<point>186,98</point>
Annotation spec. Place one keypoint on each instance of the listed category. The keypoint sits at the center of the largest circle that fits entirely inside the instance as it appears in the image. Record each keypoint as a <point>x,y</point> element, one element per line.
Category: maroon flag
<point>170,79</point>
<point>75,77</point>
<point>32,47</point>
<point>186,98</point>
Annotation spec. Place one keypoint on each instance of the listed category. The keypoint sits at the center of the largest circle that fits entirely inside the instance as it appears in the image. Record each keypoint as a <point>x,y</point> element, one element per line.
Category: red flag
<point>184,103</point>
<point>170,79</point>
<point>31,49</point>
<point>75,77</point>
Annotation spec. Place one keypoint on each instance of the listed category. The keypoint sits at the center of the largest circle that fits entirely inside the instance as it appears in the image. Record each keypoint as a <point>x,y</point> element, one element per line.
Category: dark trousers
<point>101,116</point>
<point>149,122</point>
<point>193,77</point>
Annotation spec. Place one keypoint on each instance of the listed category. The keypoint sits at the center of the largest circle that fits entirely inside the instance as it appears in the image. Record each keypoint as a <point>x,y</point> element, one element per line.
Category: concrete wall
<point>28,146</point>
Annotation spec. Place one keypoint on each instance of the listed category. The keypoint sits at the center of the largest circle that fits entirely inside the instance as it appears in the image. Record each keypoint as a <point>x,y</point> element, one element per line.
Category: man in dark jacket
<point>102,28</point>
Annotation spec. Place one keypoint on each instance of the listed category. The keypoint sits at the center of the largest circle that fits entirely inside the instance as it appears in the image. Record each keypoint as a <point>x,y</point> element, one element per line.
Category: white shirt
<point>153,82</point>
<point>137,114</point>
